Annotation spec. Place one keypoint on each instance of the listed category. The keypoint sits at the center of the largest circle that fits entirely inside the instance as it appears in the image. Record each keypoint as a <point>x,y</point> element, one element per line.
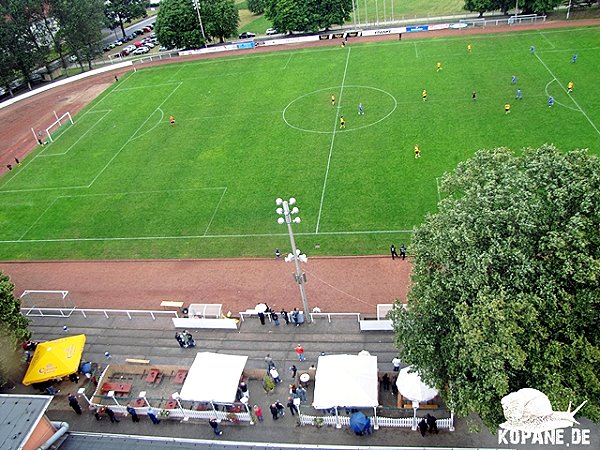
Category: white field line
<point>335,124</point>
<point>566,92</point>
<point>555,101</point>
<point>132,136</point>
<point>288,61</point>
<point>416,51</point>
<point>80,137</point>
<point>546,39</point>
<point>39,217</point>
<point>212,236</point>
<point>158,122</point>
<point>150,86</point>
<point>158,191</point>
<point>215,212</point>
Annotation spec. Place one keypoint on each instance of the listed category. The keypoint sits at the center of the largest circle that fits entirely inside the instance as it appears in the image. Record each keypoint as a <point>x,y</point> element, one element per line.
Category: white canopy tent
<point>346,380</point>
<point>213,378</point>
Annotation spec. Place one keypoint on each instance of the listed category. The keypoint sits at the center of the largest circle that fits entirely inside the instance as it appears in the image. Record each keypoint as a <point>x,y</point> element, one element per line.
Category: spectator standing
<point>386,382</point>
<point>152,415</point>
<point>275,318</point>
<point>258,411</point>
<point>300,352</point>
<point>273,409</point>
<point>111,415</point>
<point>73,403</point>
<point>269,361</point>
<point>396,363</point>
<point>134,416</point>
<point>393,251</point>
<point>292,406</point>
<point>214,423</point>
<point>293,370</point>
<point>431,423</point>
<point>275,375</point>
<point>402,251</point>
<point>423,427</point>
<point>285,316</point>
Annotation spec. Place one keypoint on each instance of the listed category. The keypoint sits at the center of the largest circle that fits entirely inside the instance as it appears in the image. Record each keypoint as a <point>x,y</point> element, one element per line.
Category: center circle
<point>316,113</point>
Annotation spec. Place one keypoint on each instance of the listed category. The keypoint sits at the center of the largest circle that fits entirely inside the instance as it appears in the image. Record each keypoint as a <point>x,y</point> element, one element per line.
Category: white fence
<point>513,20</point>
<point>107,313</point>
<point>379,421</point>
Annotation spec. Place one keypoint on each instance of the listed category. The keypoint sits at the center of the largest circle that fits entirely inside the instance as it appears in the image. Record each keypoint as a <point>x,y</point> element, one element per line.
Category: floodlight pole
<point>516,9</point>
<point>569,9</point>
<point>299,276</point>
<point>197,7</point>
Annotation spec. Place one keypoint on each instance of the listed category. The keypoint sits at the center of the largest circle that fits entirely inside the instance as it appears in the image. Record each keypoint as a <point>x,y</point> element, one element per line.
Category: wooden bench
<point>180,376</point>
<point>119,388</point>
<point>376,325</point>
<point>137,361</point>
<point>153,376</point>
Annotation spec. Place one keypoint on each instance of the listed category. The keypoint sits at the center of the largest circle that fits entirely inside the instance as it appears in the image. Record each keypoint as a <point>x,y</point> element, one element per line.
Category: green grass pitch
<point>123,183</point>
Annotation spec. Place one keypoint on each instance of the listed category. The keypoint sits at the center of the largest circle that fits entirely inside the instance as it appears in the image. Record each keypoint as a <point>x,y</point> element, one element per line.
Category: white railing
<point>328,315</point>
<point>67,312</point>
<point>184,414</point>
<point>379,421</point>
<point>513,20</point>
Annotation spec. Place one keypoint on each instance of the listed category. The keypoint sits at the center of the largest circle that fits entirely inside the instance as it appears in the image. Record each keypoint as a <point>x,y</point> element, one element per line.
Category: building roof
<point>19,415</point>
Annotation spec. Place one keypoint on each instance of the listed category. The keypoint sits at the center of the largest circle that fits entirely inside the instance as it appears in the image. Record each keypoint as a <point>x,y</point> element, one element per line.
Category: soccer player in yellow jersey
<point>570,87</point>
<point>438,67</point>
<point>342,122</point>
<point>424,95</point>
<point>417,151</point>
<point>469,48</point>
<point>507,108</point>
<point>332,100</point>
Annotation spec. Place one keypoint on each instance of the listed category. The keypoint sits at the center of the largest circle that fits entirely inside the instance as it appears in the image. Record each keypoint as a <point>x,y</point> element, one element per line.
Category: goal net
<point>65,119</point>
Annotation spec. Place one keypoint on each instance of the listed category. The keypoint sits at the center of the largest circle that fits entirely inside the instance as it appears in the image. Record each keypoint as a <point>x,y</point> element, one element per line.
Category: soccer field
<point>123,183</point>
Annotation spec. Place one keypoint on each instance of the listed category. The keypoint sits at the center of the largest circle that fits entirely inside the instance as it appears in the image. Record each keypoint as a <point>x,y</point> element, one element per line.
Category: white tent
<point>346,380</point>
<point>213,377</point>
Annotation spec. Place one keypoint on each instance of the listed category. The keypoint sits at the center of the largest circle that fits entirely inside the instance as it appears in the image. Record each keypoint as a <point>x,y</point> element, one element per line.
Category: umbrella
<point>358,422</point>
<point>411,387</point>
<point>55,359</point>
<point>261,308</point>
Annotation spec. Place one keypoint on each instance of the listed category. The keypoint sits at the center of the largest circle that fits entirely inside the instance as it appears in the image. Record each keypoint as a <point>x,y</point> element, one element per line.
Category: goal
<point>59,122</point>
<point>46,303</point>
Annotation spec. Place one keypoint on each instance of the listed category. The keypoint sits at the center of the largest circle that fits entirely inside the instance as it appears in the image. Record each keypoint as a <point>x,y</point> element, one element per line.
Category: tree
<point>256,6</point>
<point>21,38</point>
<point>80,27</point>
<point>328,12</point>
<point>121,11</point>
<point>13,330</point>
<point>177,25</point>
<point>220,18</point>
<point>506,289</point>
<point>479,6</point>
<point>288,15</point>
<point>538,6</point>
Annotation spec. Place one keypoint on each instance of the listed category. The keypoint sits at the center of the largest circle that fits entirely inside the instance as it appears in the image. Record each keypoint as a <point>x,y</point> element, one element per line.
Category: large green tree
<point>13,330</point>
<point>526,6</point>
<point>121,11</point>
<point>506,283</point>
<point>256,6</point>
<point>307,15</point>
<point>177,25</point>
<point>21,40</point>
<point>80,27</point>
<point>221,19</point>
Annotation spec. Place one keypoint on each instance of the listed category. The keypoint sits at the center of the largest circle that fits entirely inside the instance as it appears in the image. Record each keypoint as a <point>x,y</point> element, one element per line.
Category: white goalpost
<point>46,303</point>
<point>66,117</point>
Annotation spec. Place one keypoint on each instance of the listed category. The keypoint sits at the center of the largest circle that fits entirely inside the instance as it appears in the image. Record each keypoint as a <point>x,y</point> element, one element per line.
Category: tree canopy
<point>221,18</point>
<point>527,6</point>
<point>177,25</point>
<point>13,329</point>
<point>256,6</point>
<point>506,288</point>
<point>307,15</point>
<point>120,11</point>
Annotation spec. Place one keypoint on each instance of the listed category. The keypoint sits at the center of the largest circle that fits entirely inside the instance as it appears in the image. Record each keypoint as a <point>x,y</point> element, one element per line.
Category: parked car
<point>146,29</point>
<point>271,31</point>
<point>139,32</point>
<point>247,34</point>
<point>149,44</point>
<point>141,50</point>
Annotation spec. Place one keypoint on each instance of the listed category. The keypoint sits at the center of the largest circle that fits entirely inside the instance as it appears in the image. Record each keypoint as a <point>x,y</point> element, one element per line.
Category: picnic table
<point>180,376</point>
<point>153,376</point>
<point>119,388</point>
<point>171,404</point>
<point>139,403</point>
